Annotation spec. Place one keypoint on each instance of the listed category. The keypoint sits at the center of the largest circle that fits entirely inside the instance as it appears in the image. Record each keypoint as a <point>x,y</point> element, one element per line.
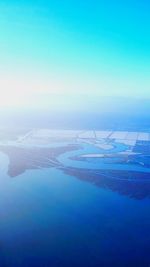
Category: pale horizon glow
<point>23,89</point>
<point>89,48</point>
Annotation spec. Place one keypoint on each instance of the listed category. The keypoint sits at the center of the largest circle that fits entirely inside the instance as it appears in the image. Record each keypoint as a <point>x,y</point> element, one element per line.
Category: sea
<point>49,218</point>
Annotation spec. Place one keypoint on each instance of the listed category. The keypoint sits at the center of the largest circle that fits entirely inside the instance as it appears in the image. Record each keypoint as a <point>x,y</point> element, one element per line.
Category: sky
<point>73,48</point>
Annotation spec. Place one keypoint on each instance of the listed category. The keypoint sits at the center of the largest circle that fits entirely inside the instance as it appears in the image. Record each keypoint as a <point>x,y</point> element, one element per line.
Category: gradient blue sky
<point>99,48</point>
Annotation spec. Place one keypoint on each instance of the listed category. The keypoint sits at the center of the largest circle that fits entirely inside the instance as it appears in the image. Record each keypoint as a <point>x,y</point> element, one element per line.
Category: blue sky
<point>99,48</point>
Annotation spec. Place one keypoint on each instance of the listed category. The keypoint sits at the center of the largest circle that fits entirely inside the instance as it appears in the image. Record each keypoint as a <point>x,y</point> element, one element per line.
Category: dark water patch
<point>132,184</point>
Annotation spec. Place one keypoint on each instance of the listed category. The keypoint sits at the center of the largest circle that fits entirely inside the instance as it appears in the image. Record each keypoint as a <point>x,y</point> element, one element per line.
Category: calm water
<point>50,219</point>
<point>101,163</point>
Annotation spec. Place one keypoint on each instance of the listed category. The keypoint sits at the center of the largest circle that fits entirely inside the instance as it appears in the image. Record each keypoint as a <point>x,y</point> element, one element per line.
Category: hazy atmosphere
<point>73,48</point>
<point>74,133</point>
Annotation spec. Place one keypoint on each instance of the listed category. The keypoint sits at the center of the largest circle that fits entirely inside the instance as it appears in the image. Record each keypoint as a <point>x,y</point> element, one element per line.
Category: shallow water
<point>101,163</point>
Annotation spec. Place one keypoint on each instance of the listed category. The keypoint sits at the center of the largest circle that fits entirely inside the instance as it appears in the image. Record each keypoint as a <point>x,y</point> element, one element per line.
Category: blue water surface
<point>51,219</point>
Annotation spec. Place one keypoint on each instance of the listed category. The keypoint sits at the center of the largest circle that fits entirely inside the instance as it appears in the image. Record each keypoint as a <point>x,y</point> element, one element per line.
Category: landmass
<point>113,160</point>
